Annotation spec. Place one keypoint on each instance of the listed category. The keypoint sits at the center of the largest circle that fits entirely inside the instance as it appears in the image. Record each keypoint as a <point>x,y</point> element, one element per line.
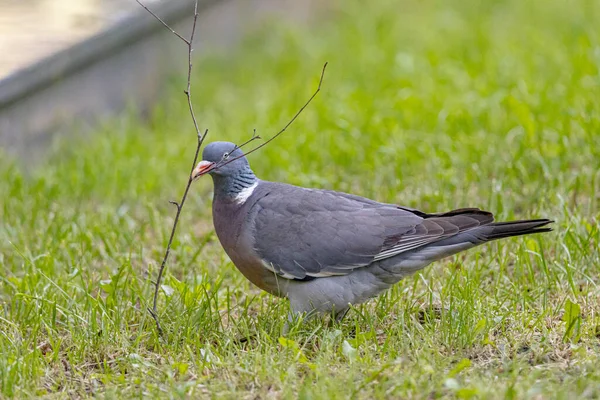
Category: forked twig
<point>226,160</point>
<point>200,139</point>
<point>291,121</point>
<point>253,138</point>
<point>164,23</point>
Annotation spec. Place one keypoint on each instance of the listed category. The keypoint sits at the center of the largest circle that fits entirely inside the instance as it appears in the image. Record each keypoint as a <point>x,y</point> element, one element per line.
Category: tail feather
<point>501,230</point>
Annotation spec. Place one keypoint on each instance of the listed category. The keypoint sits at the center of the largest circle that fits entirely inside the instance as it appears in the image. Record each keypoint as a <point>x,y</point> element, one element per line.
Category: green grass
<point>429,104</point>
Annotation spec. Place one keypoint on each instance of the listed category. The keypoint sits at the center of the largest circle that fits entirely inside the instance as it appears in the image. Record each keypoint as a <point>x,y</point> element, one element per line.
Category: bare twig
<point>226,155</point>
<point>200,139</point>
<point>253,138</point>
<point>164,23</point>
<point>226,160</point>
<point>179,207</point>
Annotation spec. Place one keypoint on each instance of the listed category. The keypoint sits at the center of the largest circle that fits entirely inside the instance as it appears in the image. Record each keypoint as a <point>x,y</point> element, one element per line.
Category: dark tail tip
<point>516,228</point>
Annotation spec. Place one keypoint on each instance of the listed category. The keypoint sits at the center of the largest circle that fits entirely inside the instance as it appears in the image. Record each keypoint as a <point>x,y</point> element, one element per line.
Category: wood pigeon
<point>325,250</point>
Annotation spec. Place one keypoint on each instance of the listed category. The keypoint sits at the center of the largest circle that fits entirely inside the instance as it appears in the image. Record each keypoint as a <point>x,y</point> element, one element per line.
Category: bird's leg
<point>338,316</point>
<point>297,316</point>
<point>290,319</point>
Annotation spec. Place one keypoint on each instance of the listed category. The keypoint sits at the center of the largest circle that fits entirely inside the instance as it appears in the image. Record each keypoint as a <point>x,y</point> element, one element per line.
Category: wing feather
<point>305,233</point>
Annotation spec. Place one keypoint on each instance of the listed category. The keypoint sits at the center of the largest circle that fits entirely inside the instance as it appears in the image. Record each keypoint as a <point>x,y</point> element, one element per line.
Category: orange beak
<point>202,168</point>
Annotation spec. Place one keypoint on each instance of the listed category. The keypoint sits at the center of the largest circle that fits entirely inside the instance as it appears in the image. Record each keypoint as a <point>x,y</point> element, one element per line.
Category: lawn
<point>429,104</point>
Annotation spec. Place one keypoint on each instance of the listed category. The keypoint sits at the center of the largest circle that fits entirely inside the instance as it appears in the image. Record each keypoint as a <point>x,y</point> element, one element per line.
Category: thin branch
<point>164,23</point>
<point>200,139</point>
<point>290,122</point>
<point>226,155</point>
<point>179,206</point>
<point>253,138</point>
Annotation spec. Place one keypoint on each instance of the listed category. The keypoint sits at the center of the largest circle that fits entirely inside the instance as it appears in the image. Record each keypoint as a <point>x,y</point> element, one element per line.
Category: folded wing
<point>305,234</point>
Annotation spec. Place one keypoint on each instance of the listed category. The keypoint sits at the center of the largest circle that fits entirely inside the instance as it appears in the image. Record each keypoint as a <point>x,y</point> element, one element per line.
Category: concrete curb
<point>125,65</point>
<point>136,27</point>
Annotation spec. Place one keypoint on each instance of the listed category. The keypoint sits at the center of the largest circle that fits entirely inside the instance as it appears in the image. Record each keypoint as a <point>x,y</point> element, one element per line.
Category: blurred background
<point>432,104</point>
<point>80,61</point>
<point>31,30</point>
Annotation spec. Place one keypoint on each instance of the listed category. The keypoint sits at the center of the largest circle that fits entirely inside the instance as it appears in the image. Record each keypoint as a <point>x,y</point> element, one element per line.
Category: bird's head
<point>217,160</point>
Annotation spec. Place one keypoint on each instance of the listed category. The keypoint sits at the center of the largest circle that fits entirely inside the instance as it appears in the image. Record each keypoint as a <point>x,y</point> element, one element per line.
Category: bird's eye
<point>226,155</point>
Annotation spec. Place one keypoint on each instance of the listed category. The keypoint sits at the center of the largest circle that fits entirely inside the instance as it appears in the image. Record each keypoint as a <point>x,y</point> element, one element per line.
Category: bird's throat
<point>236,188</point>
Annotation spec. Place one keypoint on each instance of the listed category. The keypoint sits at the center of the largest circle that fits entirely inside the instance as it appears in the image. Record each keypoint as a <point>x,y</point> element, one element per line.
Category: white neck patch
<point>243,195</point>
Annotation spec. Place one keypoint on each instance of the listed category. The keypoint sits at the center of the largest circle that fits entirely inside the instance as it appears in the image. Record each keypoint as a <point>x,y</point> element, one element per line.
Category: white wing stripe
<point>409,245</point>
